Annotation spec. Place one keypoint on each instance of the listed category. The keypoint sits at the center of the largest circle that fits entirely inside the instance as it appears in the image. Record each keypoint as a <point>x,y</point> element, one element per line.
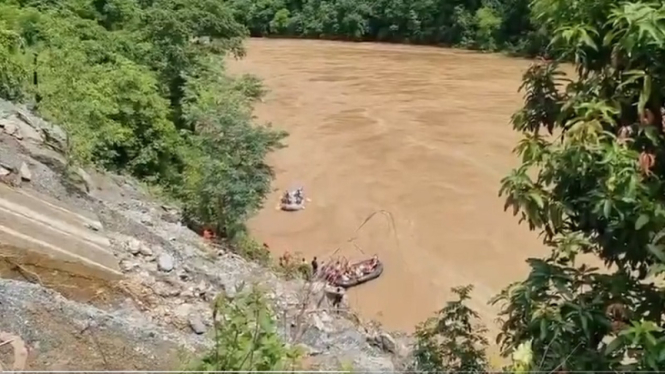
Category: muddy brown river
<point>419,134</point>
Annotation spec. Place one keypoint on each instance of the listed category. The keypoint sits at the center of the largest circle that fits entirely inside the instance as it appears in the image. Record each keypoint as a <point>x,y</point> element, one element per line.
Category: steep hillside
<point>98,275</point>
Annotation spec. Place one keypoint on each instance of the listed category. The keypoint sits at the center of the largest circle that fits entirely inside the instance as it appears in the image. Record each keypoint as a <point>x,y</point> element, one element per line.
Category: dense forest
<point>139,86</point>
<point>479,24</point>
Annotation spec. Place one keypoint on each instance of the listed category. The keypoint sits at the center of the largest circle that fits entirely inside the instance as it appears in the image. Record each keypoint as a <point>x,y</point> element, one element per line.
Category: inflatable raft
<point>291,202</point>
<point>378,270</point>
<point>292,207</point>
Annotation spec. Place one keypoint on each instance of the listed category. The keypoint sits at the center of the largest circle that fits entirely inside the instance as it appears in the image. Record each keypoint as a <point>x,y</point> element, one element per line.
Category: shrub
<point>591,181</point>
<point>246,337</point>
<point>451,341</point>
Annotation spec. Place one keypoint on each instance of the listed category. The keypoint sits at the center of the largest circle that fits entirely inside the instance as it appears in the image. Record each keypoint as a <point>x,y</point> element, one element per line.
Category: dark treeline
<point>478,24</point>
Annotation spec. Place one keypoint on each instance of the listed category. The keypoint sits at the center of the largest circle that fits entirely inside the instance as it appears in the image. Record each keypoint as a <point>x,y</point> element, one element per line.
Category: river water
<point>420,135</point>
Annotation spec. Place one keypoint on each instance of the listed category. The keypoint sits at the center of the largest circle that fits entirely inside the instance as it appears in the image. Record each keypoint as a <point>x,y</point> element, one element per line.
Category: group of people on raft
<point>336,272</point>
<point>294,197</point>
<point>341,270</point>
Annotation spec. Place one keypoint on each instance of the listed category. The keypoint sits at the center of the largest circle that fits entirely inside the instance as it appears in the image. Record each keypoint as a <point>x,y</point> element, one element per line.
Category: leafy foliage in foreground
<point>140,88</point>
<point>592,181</point>
<point>451,341</point>
<point>480,24</point>
<point>246,337</point>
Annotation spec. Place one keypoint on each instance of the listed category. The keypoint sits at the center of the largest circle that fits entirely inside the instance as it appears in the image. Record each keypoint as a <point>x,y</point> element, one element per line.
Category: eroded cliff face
<point>95,274</point>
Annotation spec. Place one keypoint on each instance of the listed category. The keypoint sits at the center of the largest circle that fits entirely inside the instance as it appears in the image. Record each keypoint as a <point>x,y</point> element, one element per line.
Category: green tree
<point>280,22</point>
<point>451,341</point>
<point>13,75</point>
<point>246,337</point>
<point>228,178</point>
<point>139,86</point>
<point>591,181</point>
<point>488,25</point>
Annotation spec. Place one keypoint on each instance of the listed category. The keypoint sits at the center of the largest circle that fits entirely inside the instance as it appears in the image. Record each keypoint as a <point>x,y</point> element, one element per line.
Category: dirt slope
<point>422,133</point>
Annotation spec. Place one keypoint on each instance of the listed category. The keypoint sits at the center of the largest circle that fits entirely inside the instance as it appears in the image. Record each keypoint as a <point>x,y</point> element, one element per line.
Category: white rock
<point>197,324</point>
<point>388,343</point>
<point>134,246</point>
<point>128,266</point>
<point>25,172</point>
<point>165,262</point>
<point>145,250</point>
<point>319,324</point>
<point>183,310</point>
<point>87,180</point>
<point>96,226</point>
<point>10,128</point>
<point>188,293</point>
<point>165,290</point>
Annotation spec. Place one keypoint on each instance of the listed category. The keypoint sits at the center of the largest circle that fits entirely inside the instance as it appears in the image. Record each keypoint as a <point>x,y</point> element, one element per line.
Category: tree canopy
<point>139,86</point>
<point>480,24</point>
<point>591,181</point>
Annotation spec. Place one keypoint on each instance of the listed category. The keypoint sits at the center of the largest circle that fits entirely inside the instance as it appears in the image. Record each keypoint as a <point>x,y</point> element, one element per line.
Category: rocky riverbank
<point>157,313</point>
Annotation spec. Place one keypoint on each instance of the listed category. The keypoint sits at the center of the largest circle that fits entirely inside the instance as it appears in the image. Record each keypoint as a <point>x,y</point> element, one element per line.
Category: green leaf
<point>535,196</point>
<point>650,338</point>
<point>661,356</point>
<point>587,40</point>
<point>641,221</point>
<point>657,250</point>
<point>644,95</point>
<point>613,346</point>
<point>607,208</point>
<point>556,215</point>
<point>656,239</point>
<point>651,361</point>
<point>656,269</point>
<point>543,329</point>
<point>652,134</point>
<point>585,324</point>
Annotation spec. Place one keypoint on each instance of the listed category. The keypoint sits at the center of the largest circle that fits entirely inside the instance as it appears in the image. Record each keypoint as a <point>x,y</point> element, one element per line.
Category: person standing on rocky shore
<point>338,297</point>
<point>315,265</point>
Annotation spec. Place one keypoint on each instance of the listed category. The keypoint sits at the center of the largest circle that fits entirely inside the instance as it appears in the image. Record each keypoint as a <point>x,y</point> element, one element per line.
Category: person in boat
<point>371,265</point>
<point>340,271</point>
<point>359,270</point>
<point>365,268</point>
<point>330,274</point>
<point>299,195</point>
<point>288,197</point>
<point>338,266</point>
<point>374,262</point>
